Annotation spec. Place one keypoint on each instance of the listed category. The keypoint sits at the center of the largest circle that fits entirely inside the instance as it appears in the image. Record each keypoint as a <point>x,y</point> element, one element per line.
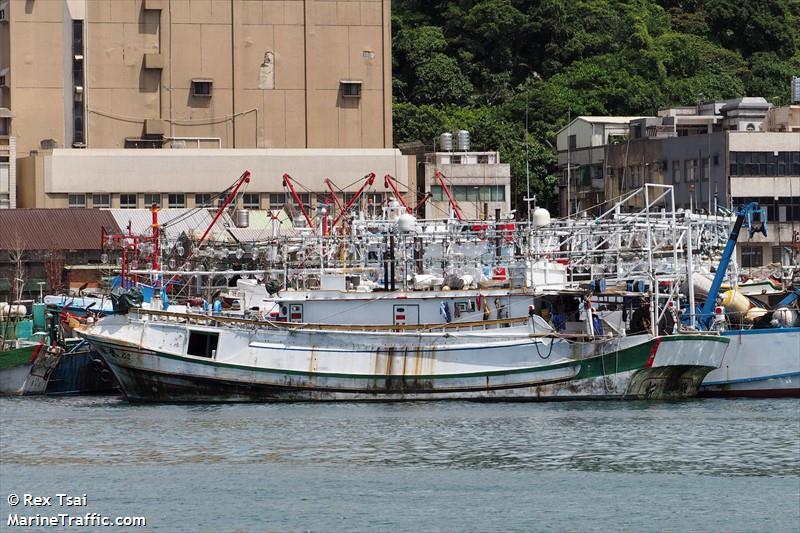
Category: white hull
<point>150,360</point>
<point>761,362</point>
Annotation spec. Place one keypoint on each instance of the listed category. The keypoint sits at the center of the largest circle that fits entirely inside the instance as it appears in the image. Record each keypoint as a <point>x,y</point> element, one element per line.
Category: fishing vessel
<point>161,356</point>
<point>763,357</point>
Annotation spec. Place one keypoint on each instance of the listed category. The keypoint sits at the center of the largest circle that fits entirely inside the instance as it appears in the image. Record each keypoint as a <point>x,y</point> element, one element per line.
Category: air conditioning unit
<point>78,94</point>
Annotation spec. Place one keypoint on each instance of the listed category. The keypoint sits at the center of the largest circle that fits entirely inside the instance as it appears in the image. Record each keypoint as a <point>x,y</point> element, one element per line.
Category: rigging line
<point>197,209</point>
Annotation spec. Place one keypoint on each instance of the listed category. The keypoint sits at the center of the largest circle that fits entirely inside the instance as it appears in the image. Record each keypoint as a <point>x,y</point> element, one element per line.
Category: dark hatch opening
<point>202,343</point>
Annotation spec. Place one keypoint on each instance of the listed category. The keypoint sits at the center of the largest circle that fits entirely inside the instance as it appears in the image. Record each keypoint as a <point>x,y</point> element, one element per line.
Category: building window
<point>764,164</point>
<point>752,256</point>
<point>498,193</point>
<point>202,87</point>
<point>572,141</point>
<point>350,88</point>
<point>202,200</point>
<point>455,159</point>
<point>276,200</point>
<point>129,201</point>
<point>251,200</point>
<point>437,193</point>
<point>77,201</point>
<point>177,201</point>
<point>483,159</point>
<point>101,201</point>
<point>79,119</point>
<point>152,198</point>
<point>676,171</point>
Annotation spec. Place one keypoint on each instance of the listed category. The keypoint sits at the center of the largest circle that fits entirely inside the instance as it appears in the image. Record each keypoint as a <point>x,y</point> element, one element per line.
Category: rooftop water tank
<point>446,142</point>
<point>242,218</point>
<point>541,217</point>
<point>406,223</point>
<point>463,141</point>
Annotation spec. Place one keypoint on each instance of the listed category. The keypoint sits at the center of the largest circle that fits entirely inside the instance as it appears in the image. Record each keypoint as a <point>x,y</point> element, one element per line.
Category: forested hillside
<point>477,65</point>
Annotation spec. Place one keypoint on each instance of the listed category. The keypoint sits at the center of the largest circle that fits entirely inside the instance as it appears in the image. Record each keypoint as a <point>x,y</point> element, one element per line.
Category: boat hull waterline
<point>635,367</point>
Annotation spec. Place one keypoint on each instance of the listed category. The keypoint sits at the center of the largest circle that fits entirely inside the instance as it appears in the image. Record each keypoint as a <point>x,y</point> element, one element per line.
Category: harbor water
<point>701,465</point>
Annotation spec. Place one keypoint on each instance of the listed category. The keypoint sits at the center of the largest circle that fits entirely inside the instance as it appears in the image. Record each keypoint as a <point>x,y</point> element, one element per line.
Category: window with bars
<point>128,201</point>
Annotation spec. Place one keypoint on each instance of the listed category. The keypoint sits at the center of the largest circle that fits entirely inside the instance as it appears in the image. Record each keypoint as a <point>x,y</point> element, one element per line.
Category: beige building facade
<point>196,73</point>
<point>120,178</point>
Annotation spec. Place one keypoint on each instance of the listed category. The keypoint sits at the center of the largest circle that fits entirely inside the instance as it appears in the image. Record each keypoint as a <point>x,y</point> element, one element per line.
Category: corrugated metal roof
<point>173,222</point>
<point>263,225</point>
<point>54,229</point>
<point>195,221</point>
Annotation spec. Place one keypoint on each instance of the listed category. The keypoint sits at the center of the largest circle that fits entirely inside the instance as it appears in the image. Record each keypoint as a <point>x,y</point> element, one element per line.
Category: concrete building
<point>8,171</point>
<point>721,154</point>
<point>120,103</point>
<point>478,181</point>
<point>582,149</point>
<point>207,73</point>
<point>119,178</point>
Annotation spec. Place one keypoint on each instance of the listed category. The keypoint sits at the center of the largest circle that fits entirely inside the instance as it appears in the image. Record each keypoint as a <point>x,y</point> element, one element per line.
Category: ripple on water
<point>713,437</point>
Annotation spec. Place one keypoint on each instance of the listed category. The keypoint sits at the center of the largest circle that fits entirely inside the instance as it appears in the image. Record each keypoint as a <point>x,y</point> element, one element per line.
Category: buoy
<point>785,317</point>
<point>735,302</point>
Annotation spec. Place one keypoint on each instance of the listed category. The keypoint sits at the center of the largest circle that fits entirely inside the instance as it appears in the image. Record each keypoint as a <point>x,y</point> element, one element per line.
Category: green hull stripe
<point>16,357</point>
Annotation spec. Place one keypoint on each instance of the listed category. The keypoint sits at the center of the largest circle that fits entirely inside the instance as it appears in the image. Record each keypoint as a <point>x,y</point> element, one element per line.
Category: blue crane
<point>756,218</point>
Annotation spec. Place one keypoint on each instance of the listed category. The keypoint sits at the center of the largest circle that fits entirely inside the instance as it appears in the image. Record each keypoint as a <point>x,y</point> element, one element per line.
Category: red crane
<point>390,183</point>
<point>453,203</point>
<point>369,179</point>
<point>287,182</point>
<point>427,196</point>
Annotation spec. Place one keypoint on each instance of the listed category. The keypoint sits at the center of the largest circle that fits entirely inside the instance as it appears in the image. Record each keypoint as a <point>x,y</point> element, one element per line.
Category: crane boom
<point>287,182</point>
<point>453,203</point>
<point>389,182</point>
<point>756,218</point>
<point>369,179</point>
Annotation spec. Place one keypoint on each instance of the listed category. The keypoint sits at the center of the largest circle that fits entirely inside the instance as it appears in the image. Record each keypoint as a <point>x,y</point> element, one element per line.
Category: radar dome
<point>406,223</point>
<point>541,217</point>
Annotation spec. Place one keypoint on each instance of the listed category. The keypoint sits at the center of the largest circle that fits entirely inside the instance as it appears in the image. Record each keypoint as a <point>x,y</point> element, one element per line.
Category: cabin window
<point>202,343</point>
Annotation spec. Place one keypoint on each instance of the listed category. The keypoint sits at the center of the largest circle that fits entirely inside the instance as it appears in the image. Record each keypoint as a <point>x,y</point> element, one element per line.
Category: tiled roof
<point>54,229</point>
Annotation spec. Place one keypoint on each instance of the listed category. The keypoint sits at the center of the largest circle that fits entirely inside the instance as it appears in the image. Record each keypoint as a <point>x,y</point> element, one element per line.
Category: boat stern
<point>677,365</point>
